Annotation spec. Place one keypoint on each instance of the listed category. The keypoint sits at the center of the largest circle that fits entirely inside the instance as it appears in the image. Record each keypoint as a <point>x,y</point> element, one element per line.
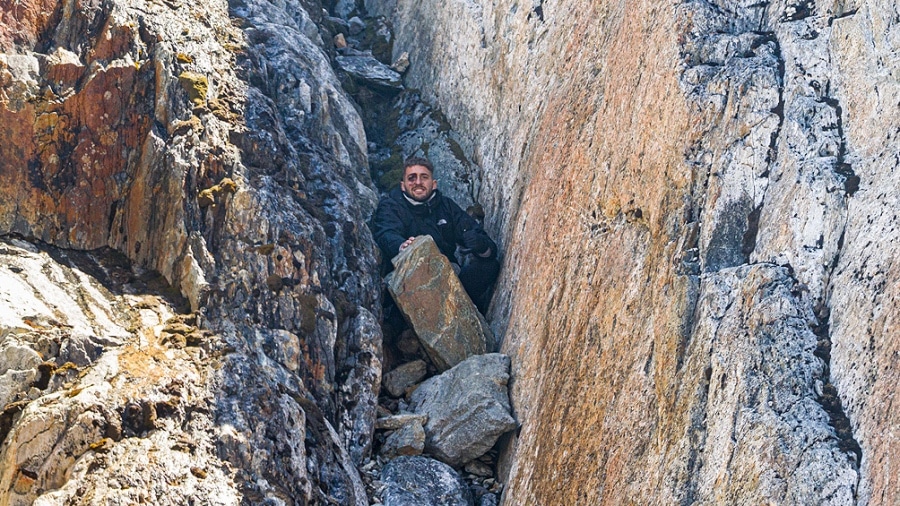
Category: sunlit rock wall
<point>696,202</point>
<point>211,142</point>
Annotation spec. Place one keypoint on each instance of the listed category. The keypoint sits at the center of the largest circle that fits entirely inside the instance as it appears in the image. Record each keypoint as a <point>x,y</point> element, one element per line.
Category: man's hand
<point>406,243</point>
<point>476,242</point>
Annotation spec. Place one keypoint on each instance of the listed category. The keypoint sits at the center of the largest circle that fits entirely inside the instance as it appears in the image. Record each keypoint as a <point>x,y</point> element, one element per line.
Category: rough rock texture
<point>407,440</point>
<point>646,166</point>
<point>421,481</point>
<point>398,380</point>
<point>467,408</point>
<point>435,304</point>
<point>370,71</point>
<point>109,411</point>
<point>211,142</point>
<point>397,421</point>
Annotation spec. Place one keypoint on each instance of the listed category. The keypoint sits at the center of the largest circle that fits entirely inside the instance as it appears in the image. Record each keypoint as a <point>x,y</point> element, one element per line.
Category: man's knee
<point>488,268</point>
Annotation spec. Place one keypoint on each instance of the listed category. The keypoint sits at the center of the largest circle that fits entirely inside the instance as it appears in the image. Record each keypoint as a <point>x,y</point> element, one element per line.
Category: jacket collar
<point>416,202</point>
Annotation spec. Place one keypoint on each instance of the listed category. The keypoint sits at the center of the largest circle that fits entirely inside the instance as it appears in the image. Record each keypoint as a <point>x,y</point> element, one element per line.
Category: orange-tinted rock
<point>630,169</point>
<point>433,301</point>
<point>24,22</point>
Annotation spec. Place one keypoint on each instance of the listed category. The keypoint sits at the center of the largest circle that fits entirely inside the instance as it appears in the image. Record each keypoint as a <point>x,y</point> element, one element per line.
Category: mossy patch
<point>308,305</point>
<point>183,127</point>
<point>213,194</point>
<point>102,446</point>
<point>274,282</point>
<point>390,179</point>
<point>196,85</point>
<point>265,249</point>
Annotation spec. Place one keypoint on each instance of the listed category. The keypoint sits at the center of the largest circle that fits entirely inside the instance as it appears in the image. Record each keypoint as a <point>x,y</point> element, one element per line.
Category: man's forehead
<point>416,169</point>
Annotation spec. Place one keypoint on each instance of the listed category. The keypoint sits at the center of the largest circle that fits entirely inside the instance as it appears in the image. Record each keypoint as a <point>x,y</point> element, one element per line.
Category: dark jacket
<point>396,220</point>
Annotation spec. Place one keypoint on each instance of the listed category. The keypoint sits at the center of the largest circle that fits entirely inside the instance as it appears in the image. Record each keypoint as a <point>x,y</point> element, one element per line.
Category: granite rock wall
<point>695,206</point>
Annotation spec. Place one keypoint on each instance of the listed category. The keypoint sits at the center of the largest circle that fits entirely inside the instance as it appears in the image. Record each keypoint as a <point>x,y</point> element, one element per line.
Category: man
<point>417,208</point>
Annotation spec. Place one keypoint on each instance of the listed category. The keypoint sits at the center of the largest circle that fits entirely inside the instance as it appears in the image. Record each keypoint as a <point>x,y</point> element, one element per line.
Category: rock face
<point>210,142</point>
<point>677,187</point>
<point>107,412</point>
<point>433,301</point>
<point>467,408</point>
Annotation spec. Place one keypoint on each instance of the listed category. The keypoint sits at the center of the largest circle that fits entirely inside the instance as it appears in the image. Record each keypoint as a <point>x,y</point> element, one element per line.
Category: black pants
<point>477,276</point>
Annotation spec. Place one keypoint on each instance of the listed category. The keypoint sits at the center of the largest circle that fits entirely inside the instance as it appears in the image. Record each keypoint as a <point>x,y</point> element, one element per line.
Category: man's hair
<point>415,160</point>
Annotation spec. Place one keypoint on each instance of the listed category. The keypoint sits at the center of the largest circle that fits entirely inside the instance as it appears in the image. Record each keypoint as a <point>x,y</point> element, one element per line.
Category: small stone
<point>488,500</point>
<point>397,421</point>
<point>356,25</point>
<point>401,64</point>
<point>408,440</point>
<point>367,70</point>
<point>397,381</point>
<point>24,481</point>
<point>408,343</point>
<point>479,469</point>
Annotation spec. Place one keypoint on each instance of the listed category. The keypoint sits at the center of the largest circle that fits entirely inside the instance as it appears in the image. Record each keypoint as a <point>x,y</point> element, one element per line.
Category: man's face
<point>417,183</point>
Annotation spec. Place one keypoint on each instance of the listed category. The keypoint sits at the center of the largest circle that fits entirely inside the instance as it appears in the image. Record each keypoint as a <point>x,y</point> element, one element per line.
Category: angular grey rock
<point>421,481</point>
<point>467,407</point>
<point>356,25</point>
<point>488,500</point>
<point>336,25</point>
<point>397,381</point>
<point>479,469</point>
<point>407,440</point>
<point>432,299</point>
<point>401,64</point>
<point>367,70</point>
<point>408,343</point>
<point>397,421</point>
<point>345,8</point>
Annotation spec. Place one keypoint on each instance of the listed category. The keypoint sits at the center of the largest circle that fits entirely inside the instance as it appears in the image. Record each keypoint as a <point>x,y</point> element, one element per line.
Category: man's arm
<point>388,229</point>
<point>470,235</point>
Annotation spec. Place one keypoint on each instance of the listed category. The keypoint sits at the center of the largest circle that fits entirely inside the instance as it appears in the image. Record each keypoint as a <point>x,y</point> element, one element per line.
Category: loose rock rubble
<point>455,416</point>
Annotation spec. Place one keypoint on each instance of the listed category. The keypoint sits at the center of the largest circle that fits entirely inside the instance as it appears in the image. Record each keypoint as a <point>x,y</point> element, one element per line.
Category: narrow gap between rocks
<point>830,400</point>
<point>399,124</point>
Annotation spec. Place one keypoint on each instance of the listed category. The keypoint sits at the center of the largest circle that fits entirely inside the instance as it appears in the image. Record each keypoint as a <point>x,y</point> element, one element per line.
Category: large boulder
<point>434,302</point>
<point>467,408</point>
<point>421,481</point>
